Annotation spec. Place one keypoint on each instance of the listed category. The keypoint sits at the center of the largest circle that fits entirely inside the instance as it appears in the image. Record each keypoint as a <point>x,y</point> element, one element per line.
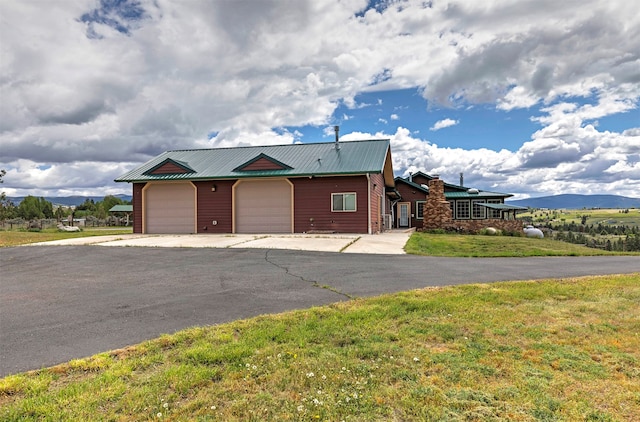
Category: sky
<point>529,97</point>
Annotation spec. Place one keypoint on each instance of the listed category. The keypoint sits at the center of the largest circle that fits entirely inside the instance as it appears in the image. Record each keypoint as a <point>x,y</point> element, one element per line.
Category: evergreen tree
<point>32,208</point>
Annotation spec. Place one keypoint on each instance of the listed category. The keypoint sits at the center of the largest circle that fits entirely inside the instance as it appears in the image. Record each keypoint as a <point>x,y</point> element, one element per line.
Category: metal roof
<point>313,159</point>
<point>479,195</point>
<point>504,207</point>
<point>121,208</point>
<point>463,192</point>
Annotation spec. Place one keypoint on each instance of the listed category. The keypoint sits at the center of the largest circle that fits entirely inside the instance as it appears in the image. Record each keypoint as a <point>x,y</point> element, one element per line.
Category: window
<point>478,211</point>
<point>420,209</point>
<point>494,213</point>
<point>343,202</point>
<point>462,210</point>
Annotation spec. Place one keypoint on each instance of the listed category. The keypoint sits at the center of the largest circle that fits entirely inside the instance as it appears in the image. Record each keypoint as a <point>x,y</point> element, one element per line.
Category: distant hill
<point>68,201</point>
<point>570,201</point>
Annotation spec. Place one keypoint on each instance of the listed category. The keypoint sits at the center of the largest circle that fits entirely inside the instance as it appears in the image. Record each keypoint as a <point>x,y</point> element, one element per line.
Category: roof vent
<point>337,130</point>
<point>473,191</point>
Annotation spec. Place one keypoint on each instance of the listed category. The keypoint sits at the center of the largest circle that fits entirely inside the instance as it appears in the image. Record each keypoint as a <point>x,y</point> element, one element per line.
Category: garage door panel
<point>263,207</point>
<point>170,208</point>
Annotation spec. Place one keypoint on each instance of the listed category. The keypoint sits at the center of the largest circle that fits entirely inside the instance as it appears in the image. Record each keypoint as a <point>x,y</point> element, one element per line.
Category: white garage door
<point>263,206</point>
<point>170,208</point>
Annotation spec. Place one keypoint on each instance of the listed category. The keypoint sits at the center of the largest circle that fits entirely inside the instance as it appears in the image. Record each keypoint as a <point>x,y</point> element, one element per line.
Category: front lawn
<point>24,237</point>
<point>422,243</point>
<point>519,351</point>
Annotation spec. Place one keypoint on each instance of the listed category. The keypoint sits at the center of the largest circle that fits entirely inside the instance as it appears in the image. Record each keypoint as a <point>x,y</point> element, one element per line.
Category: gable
<point>262,162</point>
<point>291,160</point>
<point>412,185</point>
<point>420,178</point>
<point>170,166</point>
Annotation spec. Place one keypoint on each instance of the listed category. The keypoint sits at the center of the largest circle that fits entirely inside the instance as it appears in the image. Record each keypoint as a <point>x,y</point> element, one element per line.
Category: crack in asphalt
<point>313,283</point>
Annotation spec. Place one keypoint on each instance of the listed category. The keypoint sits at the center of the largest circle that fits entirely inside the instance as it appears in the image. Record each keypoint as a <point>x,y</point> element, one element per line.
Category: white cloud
<point>580,170</point>
<point>86,87</point>
<point>443,123</point>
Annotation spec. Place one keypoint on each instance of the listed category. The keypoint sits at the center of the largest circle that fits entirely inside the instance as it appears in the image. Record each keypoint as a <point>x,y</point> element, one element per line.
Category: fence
<point>48,223</point>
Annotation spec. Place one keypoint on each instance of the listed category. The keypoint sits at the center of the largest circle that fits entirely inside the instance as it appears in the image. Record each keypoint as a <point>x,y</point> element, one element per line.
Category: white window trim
<point>483,210</point>
<point>418,216</point>
<point>494,214</point>
<point>468,217</point>
<point>355,202</point>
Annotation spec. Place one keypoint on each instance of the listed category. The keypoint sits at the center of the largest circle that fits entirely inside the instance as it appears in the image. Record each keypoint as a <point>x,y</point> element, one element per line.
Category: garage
<point>263,206</point>
<point>170,208</point>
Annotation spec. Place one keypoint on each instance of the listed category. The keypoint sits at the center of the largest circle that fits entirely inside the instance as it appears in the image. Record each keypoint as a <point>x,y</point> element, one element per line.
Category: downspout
<point>369,202</point>
<point>393,214</point>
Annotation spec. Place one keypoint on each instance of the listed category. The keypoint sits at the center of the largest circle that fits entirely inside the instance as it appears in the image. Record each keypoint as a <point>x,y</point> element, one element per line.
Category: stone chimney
<point>437,211</point>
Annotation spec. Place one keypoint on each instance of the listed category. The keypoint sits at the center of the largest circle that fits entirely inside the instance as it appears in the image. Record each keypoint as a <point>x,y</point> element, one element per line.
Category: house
<point>428,202</point>
<point>337,187</point>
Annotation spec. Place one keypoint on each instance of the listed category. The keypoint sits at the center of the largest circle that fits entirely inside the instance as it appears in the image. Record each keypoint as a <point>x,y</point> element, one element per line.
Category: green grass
<point>496,246</point>
<point>23,237</point>
<point>598,216</point>
<point>519,351</point>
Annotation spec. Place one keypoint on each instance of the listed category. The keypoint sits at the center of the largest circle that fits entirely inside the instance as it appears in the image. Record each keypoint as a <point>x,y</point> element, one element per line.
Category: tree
<point>46,207</point>
<point>109,201</point>
<point>59,213</point>
<point>2,195</point>
<point>7,209</point>
<point>29,208</point>
<point>32,208</point>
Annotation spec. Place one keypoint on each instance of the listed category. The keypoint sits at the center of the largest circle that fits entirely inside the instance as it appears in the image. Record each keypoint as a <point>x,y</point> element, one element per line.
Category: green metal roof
<point>463,192</point>
<point>121,208</point>
<point>481,194</point>
<point>505,207</point>
<point>424,189</point>
<point>315,159</point>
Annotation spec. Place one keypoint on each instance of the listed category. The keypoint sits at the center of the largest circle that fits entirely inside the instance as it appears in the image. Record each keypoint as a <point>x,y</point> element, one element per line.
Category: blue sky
<point>473,126</point>
<point>470,125</point>
<point>530,97</point>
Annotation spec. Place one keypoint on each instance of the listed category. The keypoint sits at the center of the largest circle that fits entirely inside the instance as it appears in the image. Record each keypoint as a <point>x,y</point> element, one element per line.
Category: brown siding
<point>262,164</point>
<point>169,168</point>
<point>451,189</point>
<point>312,204</point>
<point>411,194</point>
<point>420,180</point>
<point>137,207</point>
<point>214,206</point>
<point>377,202</point>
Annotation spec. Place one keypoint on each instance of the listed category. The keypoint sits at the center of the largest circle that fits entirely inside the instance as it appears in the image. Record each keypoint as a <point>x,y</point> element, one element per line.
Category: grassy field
<point>23,237</point>
<point>519,351</point>
<point>496,246</point>
<point>599,216</point>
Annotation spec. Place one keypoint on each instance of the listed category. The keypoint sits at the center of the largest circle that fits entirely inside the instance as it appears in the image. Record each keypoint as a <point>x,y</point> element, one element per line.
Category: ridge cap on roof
<point>278,145</point>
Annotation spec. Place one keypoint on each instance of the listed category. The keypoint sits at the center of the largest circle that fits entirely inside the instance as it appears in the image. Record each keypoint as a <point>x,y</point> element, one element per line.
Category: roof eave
<point>247,176</point>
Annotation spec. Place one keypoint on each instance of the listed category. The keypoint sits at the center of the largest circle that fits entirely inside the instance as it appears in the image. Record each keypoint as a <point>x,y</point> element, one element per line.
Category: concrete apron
<point>385,243</point>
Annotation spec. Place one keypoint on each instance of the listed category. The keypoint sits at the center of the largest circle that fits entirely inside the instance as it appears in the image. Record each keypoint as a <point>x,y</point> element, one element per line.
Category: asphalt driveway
<point>63,302</point>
